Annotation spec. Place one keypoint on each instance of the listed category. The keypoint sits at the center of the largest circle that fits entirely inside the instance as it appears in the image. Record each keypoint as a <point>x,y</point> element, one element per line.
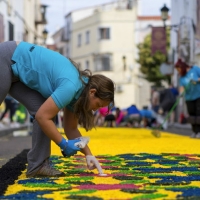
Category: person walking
<point>45,82</point>
<point>190,85</point>
<point>10,106</point>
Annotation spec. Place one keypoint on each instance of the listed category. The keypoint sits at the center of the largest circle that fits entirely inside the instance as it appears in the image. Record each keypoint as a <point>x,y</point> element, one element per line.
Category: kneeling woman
<point>45,82</point>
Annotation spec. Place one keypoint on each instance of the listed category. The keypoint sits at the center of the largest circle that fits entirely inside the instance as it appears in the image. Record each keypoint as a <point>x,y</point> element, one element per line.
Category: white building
<point>101,38</point>
<point>22,20</point>
<point>104,39</point>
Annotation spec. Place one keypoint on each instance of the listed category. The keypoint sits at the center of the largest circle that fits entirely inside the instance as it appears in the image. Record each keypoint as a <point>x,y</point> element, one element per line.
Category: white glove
<point>93,163</point>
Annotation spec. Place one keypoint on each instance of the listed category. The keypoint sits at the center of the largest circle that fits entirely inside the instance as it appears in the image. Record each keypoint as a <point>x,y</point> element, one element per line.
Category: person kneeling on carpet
<point>45,82</point>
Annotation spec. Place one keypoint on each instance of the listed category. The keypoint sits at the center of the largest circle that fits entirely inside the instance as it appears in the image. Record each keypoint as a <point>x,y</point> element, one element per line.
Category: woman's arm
<point>70,125</point>
<point>44,117</point>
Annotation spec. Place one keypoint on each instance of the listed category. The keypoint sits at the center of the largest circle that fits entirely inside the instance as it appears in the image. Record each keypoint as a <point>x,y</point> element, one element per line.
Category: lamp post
<point>165,68</point>
<point>124,62</point>
<point>45,34</point>
<point>164,13</point>
<point>185,30</point>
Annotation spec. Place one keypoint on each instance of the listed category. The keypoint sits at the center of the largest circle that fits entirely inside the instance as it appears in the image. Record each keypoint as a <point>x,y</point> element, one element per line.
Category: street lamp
<point>45,34</point>
<point>164,13</point>
<point>124,62</point>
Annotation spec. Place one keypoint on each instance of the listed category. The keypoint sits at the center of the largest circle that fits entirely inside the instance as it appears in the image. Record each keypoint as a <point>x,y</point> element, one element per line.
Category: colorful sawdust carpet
<point>138,166</point>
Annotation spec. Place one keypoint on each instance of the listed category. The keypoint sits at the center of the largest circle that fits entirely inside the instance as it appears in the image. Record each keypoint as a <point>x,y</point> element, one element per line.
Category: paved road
<point>10,146</point>
<point>180,129</point>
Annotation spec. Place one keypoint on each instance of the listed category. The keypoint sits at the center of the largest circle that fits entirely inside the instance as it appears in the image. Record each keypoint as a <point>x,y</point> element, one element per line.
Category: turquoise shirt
<point>47,72</point>
<point>192,90</point>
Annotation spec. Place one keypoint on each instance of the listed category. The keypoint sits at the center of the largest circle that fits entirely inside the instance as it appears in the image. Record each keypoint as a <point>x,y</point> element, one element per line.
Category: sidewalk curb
<point>8,130</point>
<point>180,129</point>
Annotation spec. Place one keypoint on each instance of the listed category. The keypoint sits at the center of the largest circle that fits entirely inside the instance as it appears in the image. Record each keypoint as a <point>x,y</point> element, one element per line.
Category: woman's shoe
<point>46,170</point>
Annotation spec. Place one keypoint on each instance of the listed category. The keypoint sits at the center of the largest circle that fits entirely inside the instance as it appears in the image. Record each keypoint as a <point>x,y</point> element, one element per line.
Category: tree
<point>150,64</point>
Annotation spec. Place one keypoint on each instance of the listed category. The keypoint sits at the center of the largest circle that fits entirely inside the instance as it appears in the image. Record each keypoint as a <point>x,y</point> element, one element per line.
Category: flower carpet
<point>138,166</point>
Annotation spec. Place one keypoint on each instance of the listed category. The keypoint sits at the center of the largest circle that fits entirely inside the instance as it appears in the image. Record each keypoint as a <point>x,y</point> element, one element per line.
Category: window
<point>130,4</point>
<point>11,31</point>
<point>87,37</point>
<point>103,62</point>
<point>104,33</point>
<point>87,64</point>
<point>79,40</point>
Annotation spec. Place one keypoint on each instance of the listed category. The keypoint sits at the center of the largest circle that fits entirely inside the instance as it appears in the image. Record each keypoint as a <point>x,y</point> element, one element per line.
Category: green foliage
<point>150,64</point>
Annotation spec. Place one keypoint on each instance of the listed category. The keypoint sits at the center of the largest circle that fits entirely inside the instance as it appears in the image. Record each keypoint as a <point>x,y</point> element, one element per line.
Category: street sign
<point>166,69</point>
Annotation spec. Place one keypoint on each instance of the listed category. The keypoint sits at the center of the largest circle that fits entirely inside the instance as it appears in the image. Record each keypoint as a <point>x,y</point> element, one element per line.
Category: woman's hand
<point>68,147</point>
<point>93,163</point>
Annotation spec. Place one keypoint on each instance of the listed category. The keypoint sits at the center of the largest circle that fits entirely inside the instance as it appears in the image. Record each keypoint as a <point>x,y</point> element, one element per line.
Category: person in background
<point>109,120</point>
<point>148,117</point>
<point>105,117</point>
<point>10,106</point>
<point>190,86</point>
<point>167,101</point>
<point>155,99</point>
<point>132,116</point>
<point>20,114</point>
<point>119,115</point>
<point>100,116</point>
<point>46,82</point>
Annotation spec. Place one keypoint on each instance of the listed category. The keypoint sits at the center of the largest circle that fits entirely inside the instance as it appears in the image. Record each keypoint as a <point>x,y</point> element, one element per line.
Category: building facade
<point>183,32</point>
<point>185,37</point>
<point>22,20</point>
<point>101,38</point>
<point>104,39</point>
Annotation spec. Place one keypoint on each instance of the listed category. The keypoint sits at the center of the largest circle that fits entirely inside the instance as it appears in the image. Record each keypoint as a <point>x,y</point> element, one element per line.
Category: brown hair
<point>182,66</point>
<point>104,90</point>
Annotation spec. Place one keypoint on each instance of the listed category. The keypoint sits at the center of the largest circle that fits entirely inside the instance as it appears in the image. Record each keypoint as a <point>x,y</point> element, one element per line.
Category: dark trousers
<point>31,99</point>
<point>193,108</point>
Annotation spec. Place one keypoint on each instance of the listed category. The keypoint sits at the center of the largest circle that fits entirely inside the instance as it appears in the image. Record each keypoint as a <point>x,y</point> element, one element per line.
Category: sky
<point>57,9</point>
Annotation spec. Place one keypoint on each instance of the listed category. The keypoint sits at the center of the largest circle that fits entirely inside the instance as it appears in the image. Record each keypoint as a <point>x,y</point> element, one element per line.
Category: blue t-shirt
<point>146,113</point>
<point>47,72</point>
<point>192,91</point>
<point>150,114</point>
<point>132,110</point>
